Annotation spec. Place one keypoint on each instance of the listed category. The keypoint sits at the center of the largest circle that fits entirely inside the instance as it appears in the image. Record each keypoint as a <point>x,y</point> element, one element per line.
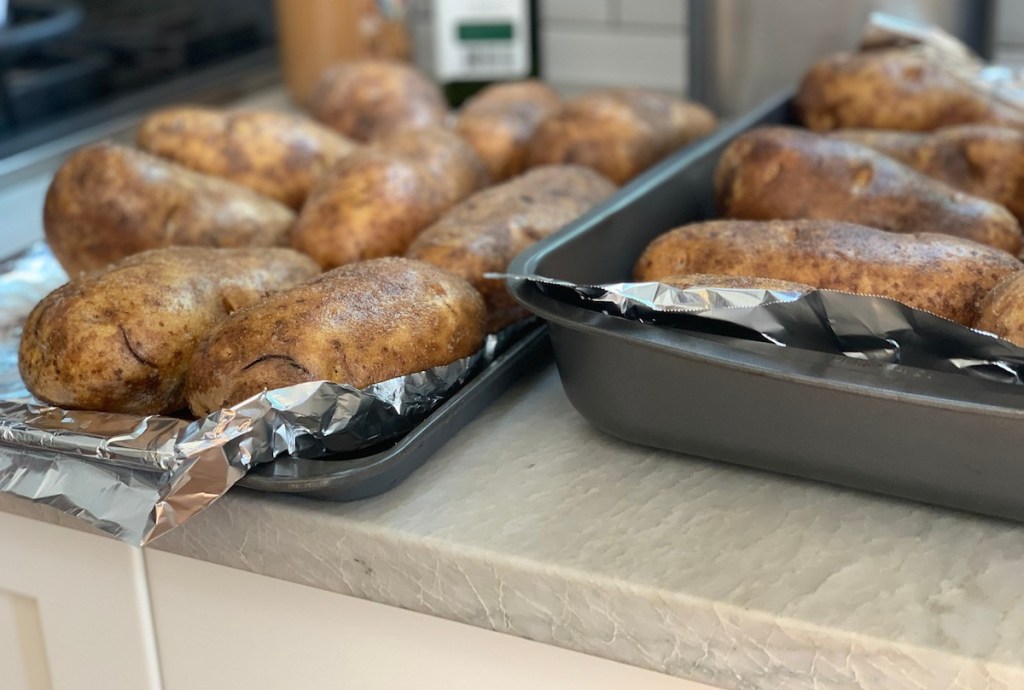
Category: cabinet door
<point>223,628</point>
<point>74,611</point>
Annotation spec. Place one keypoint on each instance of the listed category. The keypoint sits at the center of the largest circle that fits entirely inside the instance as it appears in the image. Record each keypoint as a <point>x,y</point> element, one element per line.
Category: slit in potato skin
<point>131,349</point>
<point>286,358</point>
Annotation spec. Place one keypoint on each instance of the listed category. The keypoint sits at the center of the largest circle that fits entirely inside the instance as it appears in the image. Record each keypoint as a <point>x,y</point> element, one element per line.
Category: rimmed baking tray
<point>349,479</point>
<point>934,437</point>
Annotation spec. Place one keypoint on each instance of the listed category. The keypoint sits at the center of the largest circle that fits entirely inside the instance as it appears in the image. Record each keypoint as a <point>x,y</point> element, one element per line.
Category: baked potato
<point>359,324</point>
<point>894,89</point>
<point>618,132</point>
<point>692,280</point>
<point>119,339</point>
<point>486,231</point>
<point>1002,310</point>
<point>109,201</point>
<point>499,121</point>
<point>983,160</point>
<point>370,99</point>
<point>376,200</point>
<point>781,172</point>
<point>275,154</point>
<point>945,275</point>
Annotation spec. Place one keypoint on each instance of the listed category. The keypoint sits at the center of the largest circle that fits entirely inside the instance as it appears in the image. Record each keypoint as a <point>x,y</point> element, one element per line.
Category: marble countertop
<point>532,523</point>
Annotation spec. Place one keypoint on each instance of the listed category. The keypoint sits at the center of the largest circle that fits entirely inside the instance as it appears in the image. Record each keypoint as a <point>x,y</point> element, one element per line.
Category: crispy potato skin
<point>618,132</point>
<point>358,324</point>
<point>109,201</point>
<point>499,121</point>
<point>486,231</point>
<point>370,99</point>
<point>983,160</point>
<point>1002,310</point>
<point>690,280</point>
<point>945,275</point>
<point>119,340</point>
<point>376,201</point>
<point>780,172</point>
<point>275,154</point>
<point>892,89</point>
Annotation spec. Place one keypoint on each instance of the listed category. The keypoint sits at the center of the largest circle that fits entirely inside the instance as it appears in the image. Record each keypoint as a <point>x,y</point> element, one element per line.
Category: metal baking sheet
<point>340,479</point>
<point>885,428</point>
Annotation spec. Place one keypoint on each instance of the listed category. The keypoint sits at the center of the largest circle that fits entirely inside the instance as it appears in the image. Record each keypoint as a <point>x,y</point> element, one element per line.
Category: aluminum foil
<point>864,327</point>
<point>135,477</point>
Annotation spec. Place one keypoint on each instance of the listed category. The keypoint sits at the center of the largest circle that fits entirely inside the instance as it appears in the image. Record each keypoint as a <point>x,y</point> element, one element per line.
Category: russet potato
<point>109,201</point>
<point>369,99</point>
<point>942,274</point>
<point>275,154</point>
<point>618,132</point>
<point>119,339</point>
<point>983,160</point>
<point>788,173</point>
<point>359,324</point>
<point>499,121</point>
<point>378,199</point>
<point>486,231</point>
<point>894,89</point>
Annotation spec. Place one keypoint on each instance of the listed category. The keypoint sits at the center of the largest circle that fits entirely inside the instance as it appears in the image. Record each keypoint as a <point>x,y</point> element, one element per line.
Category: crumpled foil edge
<point>865,327</point>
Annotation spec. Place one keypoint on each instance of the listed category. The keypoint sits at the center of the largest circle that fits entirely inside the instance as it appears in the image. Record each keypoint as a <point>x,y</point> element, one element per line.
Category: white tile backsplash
<point>660,13</point>
<point>615,57</point>
<point>594,43</point>
<point>588,43</point>
<point>576,10</point>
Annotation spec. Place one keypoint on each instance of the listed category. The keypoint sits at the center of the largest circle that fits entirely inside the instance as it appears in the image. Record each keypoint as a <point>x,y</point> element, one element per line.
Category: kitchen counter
<point>532,523</point>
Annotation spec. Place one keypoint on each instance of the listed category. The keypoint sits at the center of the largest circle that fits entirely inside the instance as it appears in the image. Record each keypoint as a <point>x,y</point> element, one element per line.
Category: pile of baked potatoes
<point>237,251</point>
<point>906,181</point>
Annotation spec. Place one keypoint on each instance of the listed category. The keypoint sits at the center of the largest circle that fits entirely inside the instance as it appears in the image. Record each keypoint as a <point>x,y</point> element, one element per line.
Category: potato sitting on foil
<point>278,155</point>
<point>359,324</point>
<point>119,340</point>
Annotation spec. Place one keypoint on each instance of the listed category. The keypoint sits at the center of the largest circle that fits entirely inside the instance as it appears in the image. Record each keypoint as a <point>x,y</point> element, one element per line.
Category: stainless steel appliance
<point>742,51</point>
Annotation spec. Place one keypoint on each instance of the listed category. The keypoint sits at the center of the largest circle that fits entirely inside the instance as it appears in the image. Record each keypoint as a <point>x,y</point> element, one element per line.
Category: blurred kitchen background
<point>73,71</point>
<point>60,58</point>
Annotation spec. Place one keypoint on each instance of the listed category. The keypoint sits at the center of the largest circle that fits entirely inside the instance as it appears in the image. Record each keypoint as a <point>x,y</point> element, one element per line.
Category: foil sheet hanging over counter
<point>864,327</point>
<point>136,477</point>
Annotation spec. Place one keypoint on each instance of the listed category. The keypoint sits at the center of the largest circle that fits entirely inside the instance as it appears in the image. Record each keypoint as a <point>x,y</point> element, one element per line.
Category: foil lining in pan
<point>136,478</point>
<point>864,327</point>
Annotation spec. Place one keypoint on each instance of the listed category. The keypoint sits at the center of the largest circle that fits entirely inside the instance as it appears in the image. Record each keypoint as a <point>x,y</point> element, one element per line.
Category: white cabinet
<point>74,611</point>
<point>222,628</point>
<point>76,614</point>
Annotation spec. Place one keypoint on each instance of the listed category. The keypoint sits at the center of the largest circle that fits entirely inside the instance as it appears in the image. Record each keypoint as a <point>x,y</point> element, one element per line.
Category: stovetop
<point>67,64</point>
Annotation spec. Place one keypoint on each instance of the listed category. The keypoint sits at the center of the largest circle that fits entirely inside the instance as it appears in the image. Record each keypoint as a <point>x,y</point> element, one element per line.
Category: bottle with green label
<point>478,42</point>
